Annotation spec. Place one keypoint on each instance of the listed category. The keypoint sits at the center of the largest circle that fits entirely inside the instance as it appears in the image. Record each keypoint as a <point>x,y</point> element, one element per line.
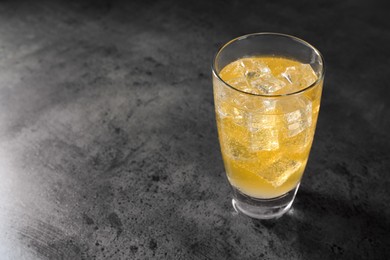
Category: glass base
<point>263,208</point>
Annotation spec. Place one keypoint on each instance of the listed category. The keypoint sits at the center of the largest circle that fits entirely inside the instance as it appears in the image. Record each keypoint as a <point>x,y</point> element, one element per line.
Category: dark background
<point>108,144</point>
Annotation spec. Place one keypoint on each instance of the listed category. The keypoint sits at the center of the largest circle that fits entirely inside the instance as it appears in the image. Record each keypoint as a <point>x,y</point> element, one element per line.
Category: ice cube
<point>264,135</point>
<point>239,83</point>
<point>254,77</point>
<point>227,110</point>
<point>246,103</point>
<point>269,105</point>
<point>258,78</point>
<point>307,74</point>
<point>261,79</point>
<point>265,139</point>
<point>279,170</point>
<point>300,143</point>
<point>253,67</point>
<point>300,76</point>
<point>294,122</point>
<point>235,144</point>
<point>300,118</point>
<point>234,149</point>
<point>260,121</point>
<point>249,65</point>
<point>287,76</point>
<point>267,84</point>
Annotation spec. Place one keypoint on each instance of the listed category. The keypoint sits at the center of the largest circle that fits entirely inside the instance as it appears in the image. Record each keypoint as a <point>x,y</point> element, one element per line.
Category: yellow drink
<point>266,140</point>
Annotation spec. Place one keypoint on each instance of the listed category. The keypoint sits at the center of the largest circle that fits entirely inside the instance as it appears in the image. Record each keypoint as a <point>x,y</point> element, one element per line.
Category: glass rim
<point>243,37</point>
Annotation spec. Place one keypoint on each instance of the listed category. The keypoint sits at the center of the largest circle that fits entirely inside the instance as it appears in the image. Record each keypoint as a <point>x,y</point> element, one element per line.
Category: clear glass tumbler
<point>266,135</point>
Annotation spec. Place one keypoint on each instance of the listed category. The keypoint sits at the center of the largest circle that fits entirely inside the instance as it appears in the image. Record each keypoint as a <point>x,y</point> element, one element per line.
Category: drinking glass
<point>265,138</point>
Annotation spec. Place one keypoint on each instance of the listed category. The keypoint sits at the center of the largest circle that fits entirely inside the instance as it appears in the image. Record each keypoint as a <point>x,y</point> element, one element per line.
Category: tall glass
<point>266,138</point>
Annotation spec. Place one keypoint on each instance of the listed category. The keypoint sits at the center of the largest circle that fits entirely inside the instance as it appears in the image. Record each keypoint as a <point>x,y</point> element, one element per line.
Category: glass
<point>267,92</point>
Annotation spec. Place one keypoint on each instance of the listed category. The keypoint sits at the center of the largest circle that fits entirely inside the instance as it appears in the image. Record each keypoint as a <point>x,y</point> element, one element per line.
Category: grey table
<point>108,144</point>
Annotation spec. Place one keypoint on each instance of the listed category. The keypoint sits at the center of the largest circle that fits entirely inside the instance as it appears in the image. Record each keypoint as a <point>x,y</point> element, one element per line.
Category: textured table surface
<point>108,144</point>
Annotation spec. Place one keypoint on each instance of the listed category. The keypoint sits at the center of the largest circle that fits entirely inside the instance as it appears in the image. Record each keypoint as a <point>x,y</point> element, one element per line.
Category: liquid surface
<point>266,141</point>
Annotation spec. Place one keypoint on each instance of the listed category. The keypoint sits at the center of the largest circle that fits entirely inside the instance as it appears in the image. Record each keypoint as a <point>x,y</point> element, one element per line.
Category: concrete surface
<point>108,145</point>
